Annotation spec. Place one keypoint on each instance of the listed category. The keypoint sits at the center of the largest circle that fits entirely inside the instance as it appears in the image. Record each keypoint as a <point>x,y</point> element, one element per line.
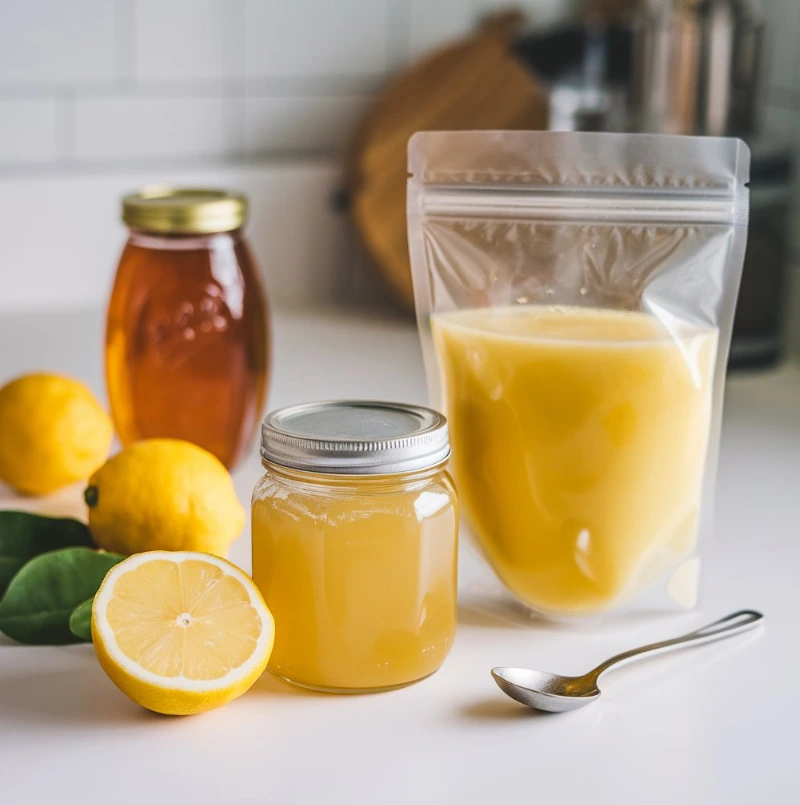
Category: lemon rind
<point>182,683</point>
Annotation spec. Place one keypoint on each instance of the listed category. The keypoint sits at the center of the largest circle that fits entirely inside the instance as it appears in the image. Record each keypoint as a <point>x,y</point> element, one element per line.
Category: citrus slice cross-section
<point>181,632</point>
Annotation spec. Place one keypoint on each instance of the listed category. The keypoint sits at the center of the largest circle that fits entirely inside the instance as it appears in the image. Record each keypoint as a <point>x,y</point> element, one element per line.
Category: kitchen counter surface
<point>714,725</point>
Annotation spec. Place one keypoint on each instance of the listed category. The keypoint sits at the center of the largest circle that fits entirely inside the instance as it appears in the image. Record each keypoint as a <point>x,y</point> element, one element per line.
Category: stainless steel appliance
<point>686,67</point>
<point>696,67</point>
<point>759,327</point>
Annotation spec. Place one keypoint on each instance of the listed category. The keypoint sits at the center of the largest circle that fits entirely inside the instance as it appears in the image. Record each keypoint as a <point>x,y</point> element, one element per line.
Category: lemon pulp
<point>181,632</point>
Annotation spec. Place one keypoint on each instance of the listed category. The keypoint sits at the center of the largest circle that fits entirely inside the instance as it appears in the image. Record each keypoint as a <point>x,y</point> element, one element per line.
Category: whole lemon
<point>163,495</point>
<point>53,432</point>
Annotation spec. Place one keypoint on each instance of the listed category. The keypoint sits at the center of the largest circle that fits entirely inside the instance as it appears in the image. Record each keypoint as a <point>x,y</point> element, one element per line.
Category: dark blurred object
<point>696,68</point>
<point>552,54</point>
<point>474,83</point>
<point>587,66</point>
<point>758,332</point>
<point>604,12</point>
<point>587,69</point>
<point>693,67</point>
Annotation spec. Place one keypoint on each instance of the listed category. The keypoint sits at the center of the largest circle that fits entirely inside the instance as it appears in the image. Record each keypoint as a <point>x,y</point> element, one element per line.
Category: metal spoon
<point>558,694</point>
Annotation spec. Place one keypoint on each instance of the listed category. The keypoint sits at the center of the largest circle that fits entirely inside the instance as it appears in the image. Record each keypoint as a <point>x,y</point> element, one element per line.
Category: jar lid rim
<point>166,209</point>
<point>355,437</point>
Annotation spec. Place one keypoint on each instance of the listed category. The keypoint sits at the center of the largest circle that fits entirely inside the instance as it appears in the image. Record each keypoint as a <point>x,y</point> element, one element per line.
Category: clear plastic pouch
<point>575,297</point>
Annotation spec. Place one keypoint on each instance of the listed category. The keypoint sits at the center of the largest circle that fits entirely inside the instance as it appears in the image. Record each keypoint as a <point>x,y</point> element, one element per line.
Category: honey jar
<point>187,330</point>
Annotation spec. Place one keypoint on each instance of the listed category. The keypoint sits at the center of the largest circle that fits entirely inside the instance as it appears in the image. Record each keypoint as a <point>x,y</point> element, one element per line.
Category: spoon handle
<point>728,626</point>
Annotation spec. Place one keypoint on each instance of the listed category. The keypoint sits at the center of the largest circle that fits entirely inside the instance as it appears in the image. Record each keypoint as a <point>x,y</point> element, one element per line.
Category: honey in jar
<point>187,327</point>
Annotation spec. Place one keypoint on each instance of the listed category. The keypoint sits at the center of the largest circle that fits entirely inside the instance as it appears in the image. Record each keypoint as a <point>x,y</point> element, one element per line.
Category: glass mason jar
<point>355,531</point>
<point>187,326</point>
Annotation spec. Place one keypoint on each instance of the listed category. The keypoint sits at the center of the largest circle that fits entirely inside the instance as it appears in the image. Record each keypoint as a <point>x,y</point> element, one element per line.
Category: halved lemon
<point>181,632</point>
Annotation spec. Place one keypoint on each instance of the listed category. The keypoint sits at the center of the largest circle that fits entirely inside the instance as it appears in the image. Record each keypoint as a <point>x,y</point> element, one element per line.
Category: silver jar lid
<point>355,437</point>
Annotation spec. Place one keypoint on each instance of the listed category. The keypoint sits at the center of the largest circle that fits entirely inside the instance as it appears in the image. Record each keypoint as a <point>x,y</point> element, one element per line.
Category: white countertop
<point>714,725</point>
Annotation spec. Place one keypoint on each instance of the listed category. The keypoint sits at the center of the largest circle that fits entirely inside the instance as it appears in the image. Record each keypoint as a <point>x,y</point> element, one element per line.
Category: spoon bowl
<point>557,694</point>
<point>543,691</point>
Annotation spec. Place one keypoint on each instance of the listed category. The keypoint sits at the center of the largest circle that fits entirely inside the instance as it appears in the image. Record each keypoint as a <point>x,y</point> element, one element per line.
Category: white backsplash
<point>100,96</point>
<point>114,82</point>
<point>63,236</point>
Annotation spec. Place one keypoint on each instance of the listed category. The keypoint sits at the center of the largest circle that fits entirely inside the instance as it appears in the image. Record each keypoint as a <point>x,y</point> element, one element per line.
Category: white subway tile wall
<point>71,221</point>
<point>28,130</point>
<point>98,96</point>
<point>431,23</point>
<point>120,82</point>
<point>57,43</point>
<point>341,38</point>
<point>293,123</point>
<point>176,40</point>
<point>129,128</point>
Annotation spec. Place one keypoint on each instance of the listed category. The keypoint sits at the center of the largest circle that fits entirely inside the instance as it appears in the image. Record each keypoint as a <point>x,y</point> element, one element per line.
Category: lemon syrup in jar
<point>355,531</point>
<point>187,327</point>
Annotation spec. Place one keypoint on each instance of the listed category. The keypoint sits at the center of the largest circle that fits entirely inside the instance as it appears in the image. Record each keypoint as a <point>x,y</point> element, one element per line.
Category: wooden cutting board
<point>474,83</point>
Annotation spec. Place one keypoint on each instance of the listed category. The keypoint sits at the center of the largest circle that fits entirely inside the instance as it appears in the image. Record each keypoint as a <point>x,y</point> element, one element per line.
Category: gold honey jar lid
<point>184,210</point>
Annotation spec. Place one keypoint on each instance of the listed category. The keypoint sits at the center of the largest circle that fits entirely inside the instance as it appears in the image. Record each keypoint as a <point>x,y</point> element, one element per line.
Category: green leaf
<point>24,535</point>
<point>40,599</point>
<point>80,621</point>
